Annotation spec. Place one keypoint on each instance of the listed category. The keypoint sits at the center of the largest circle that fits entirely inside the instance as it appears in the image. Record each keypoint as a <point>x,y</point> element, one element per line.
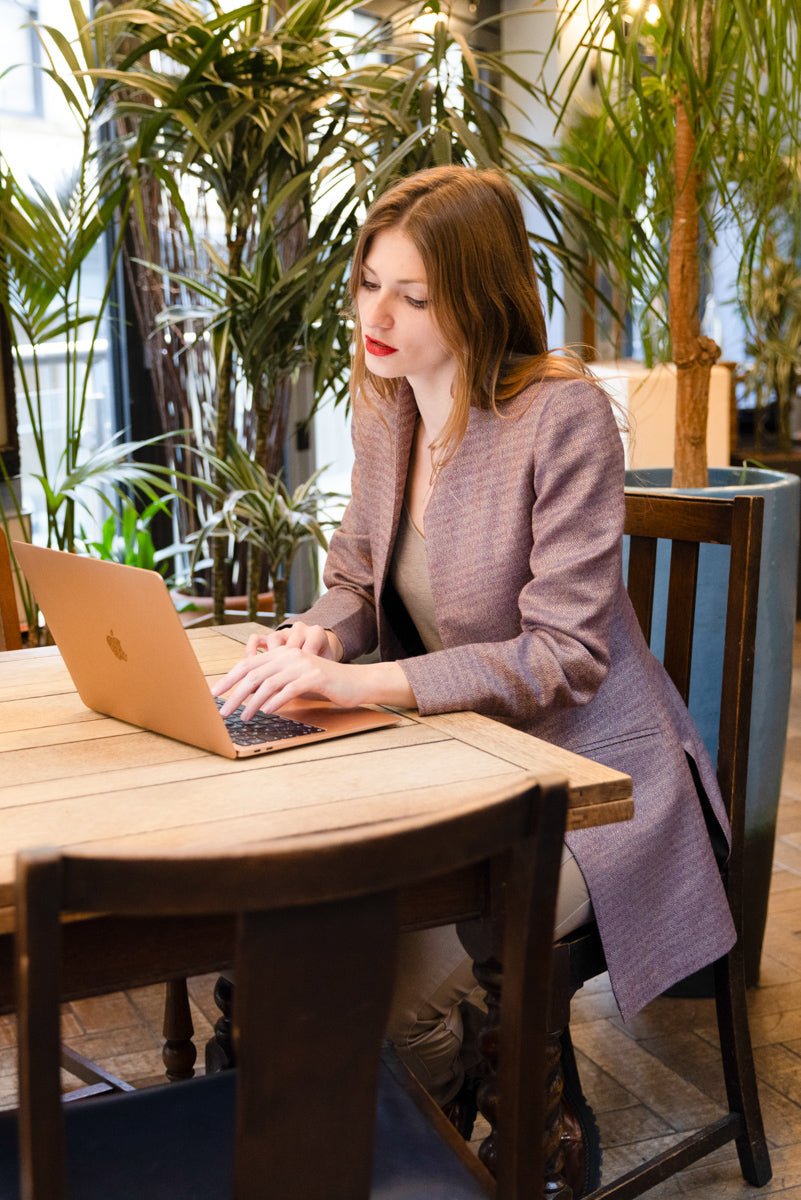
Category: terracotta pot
<point>773,662</point>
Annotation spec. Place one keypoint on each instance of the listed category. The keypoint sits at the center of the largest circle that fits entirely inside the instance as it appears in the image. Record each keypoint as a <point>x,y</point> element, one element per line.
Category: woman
<point>481,552</point>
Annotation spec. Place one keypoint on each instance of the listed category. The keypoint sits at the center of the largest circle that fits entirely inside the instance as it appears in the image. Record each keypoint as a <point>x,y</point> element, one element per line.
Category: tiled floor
<point>647,1080</point>
<point>120,1032</point>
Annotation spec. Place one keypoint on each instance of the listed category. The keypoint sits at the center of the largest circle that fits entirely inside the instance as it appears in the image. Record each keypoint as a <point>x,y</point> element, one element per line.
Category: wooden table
<point>71,777</point>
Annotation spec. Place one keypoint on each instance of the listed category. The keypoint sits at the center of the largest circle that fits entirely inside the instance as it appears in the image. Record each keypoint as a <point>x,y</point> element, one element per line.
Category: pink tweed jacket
<point>523,538</point>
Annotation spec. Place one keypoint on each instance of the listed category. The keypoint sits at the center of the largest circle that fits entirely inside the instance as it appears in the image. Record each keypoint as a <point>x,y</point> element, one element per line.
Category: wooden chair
<point>316,925</point>
<point>687,523</point>
<point>10,636</point>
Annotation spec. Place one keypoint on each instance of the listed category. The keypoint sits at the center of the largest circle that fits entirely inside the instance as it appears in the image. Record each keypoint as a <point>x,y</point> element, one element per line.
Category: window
<point>21,87</point>
<point>41,143</point>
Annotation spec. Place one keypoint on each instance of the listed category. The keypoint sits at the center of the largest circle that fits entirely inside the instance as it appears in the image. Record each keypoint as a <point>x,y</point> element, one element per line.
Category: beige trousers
<point>434,975</point>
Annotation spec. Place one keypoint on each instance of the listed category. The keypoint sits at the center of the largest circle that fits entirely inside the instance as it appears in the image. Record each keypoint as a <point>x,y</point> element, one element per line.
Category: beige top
<point>409,574</point>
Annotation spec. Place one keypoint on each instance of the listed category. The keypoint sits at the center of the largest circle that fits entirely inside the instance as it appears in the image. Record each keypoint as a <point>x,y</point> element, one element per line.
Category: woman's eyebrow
<point>422,282</point>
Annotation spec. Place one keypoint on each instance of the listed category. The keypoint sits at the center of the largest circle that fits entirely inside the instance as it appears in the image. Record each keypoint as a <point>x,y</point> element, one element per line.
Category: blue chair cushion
<point>411,1161</point>
<point>173,1142</point>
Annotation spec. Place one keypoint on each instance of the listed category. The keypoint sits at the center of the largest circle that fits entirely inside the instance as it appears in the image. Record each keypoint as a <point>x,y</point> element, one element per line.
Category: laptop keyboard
<point>263,727</point>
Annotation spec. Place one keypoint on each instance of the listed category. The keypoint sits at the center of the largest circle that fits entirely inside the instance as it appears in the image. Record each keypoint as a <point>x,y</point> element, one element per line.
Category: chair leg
<point>220,1048</point>
<point>489,974</point>
<point>738,1066</point>
<point>556,1184</point>
<point>580,1136</point>
<point>179,1052</point>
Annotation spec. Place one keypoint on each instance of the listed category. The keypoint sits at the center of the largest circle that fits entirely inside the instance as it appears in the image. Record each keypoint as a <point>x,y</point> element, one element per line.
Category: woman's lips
<point>377,348</point>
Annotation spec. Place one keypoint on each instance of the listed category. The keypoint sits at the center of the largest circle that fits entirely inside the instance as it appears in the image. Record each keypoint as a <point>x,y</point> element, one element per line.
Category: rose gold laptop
<point>123,643</point>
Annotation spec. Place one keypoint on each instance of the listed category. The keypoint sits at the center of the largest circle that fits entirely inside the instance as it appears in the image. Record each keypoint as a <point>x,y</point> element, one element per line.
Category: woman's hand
<point>311,638</point>
<point>288,664</point>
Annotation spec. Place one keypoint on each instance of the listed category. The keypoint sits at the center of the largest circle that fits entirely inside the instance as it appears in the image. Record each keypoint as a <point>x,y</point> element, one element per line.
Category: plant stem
<point>280,588</point>
<point>253,573</point>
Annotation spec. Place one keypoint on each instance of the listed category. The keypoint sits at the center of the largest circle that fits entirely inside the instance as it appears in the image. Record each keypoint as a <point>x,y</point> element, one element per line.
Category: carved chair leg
<point>220,1048</point>
<point>573,1147</point>
<point>556,1186</point>
<point>489,975</point>
<point>178,1053</point>
<point>580,1137</point>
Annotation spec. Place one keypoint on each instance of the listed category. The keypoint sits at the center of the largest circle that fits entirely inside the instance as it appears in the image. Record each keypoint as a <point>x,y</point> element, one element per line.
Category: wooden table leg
<point>179,1053</point>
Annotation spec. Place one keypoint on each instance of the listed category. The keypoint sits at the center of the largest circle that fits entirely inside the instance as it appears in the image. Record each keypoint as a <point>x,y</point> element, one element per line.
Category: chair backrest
<point>688,522</point>
<point>316,923</point>
<point>10,636</point>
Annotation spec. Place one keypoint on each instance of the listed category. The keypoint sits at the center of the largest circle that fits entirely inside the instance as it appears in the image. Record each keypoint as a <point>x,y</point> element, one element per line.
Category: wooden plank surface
<point>73,777</point>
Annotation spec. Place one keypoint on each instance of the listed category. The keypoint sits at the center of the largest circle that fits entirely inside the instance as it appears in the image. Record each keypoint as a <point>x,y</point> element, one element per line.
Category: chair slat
<point>641,580</point>
<point>738,670</point>
<point>701,520</point>
<point>680,616</point>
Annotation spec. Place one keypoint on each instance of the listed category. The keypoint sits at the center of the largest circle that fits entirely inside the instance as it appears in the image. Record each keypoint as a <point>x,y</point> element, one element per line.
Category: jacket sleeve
<point>560,614</point>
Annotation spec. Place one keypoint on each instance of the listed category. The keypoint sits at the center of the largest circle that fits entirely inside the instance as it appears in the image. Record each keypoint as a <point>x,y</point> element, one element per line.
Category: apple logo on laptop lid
<point>116,646</point>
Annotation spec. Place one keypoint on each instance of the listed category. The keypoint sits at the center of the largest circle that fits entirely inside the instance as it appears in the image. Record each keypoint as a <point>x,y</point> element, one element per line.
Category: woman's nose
<point>379,310</point>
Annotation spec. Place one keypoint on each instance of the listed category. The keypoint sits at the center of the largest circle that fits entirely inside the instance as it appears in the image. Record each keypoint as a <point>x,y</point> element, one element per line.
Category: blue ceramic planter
<point>772,666</point>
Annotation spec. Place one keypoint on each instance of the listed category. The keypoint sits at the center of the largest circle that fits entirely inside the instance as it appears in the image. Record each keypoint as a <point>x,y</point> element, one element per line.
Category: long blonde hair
<point>468,227</point>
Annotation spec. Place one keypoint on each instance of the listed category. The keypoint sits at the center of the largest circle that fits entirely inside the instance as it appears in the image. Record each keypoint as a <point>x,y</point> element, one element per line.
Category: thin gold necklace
<point>432,479</point>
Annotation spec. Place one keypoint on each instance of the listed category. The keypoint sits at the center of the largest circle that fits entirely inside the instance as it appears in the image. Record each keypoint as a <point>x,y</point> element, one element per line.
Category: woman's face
<point>400,334</point>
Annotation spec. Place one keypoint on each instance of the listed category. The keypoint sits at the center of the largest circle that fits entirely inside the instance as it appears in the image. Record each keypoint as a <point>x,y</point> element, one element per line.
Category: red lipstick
<point>377,348</point>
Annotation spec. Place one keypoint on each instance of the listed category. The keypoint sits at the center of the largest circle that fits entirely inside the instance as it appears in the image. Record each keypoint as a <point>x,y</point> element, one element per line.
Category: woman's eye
<point>417,303</point>
<point>369,286</point>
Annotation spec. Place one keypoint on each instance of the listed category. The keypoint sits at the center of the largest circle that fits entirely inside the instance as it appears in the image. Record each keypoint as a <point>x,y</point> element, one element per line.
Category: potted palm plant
<point>772,314</point>
<point>697,108</point>
<point>284,125</point>
<point>771,305</point>
<point>769,299</point>
<point>260,511</point>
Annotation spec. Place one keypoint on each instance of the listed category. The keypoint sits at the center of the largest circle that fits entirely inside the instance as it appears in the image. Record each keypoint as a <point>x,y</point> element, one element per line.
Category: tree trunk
<point>693,354</point>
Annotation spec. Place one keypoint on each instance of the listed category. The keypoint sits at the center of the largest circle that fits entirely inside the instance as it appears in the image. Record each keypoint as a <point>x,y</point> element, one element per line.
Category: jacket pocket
<point>626,738</point>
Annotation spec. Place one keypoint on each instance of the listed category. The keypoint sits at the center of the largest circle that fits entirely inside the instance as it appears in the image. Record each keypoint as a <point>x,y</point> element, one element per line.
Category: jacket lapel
<point>401,419</point>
